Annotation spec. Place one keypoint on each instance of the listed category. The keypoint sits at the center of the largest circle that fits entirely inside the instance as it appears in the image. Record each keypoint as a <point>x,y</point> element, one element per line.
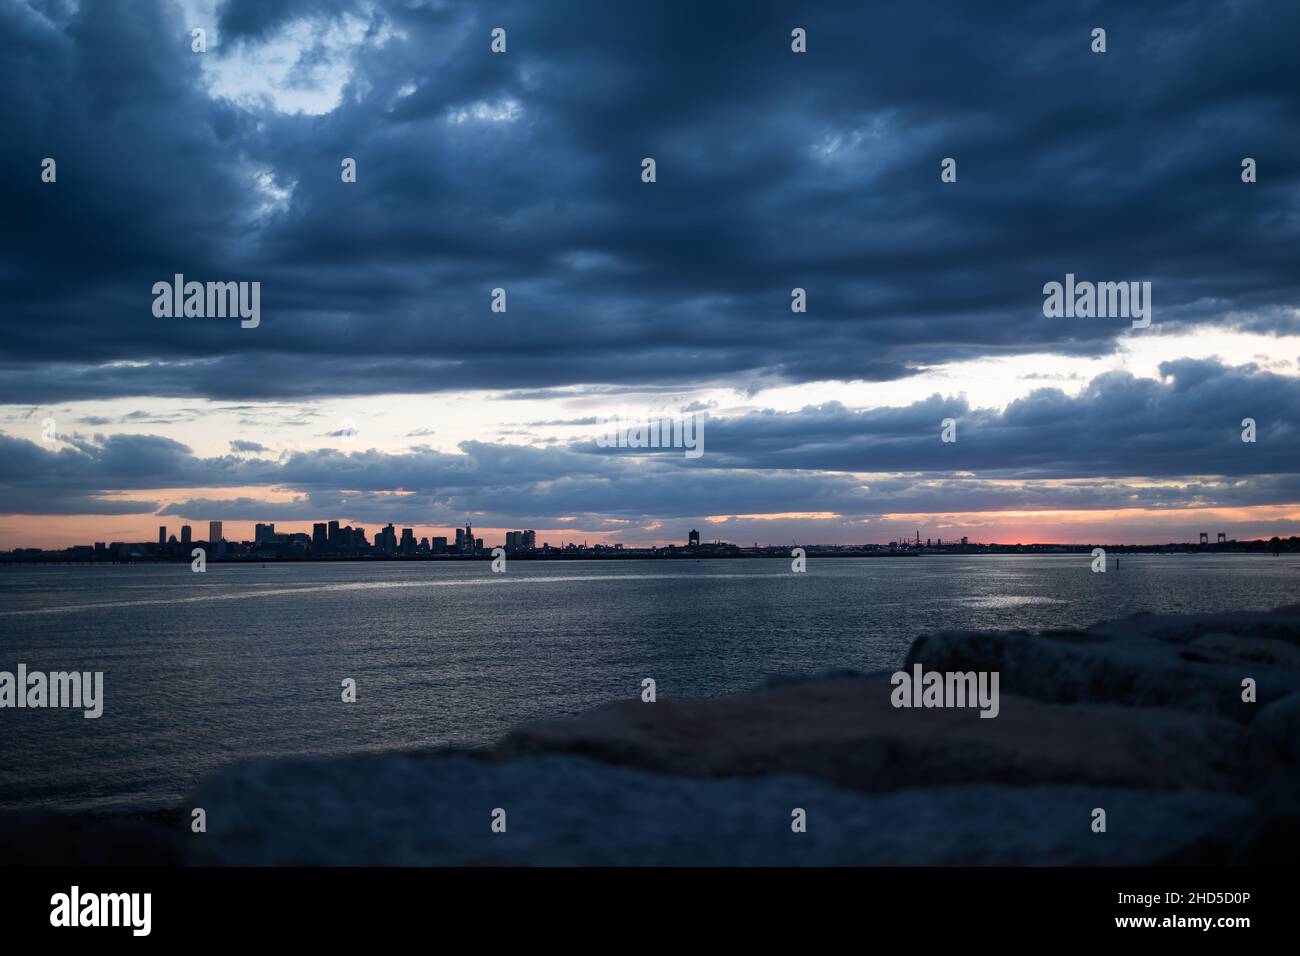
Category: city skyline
<point>336,538</point>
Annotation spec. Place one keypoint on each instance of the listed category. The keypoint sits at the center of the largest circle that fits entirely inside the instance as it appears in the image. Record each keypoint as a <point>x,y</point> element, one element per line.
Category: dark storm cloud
<point>522,171</point>
<point>1189,423</point>
<point>1181,437</point>
<point>241,22</point>
<point>103,464</point>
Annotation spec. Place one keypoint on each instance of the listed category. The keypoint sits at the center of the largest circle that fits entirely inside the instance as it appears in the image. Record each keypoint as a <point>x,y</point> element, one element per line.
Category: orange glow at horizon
<point>1116,526</point>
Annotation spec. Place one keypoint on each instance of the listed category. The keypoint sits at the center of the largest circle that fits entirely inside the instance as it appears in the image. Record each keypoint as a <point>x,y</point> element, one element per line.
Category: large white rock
<point>436,811</point>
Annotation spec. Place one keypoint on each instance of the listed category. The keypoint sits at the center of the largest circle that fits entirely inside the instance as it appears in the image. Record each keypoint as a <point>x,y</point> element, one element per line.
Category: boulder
<point>1281,625</point>
<point>563,810</point>
<point>1094,667</point>
<point>846,731</point>
<point>1276,731</point>
<point>1251,650</point>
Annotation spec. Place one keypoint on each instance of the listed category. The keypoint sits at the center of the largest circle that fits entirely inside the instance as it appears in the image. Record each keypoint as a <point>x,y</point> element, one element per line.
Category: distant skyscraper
<point>334,535</point>
<point>214,532</point>
<point>438,545</point>
<point>185,534</point>
<point>530,540</point>
<point>694,540</point>
<point>319,538</point>
<point>264,533</point>
<point>514,540</point>
<point>408,541</point>
<point>460,539</point>
<point>162,535</point>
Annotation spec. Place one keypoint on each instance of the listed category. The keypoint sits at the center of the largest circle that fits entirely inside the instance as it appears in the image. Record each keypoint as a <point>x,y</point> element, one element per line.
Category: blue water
<point>243,661</point>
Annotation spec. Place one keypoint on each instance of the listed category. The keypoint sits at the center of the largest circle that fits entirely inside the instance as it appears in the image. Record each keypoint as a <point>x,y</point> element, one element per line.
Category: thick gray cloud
<point>1120,425</point>
<point>522,171</point>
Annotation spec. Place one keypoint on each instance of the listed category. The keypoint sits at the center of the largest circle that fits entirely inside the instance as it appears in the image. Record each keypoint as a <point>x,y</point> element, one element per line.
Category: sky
<point>380,386</point>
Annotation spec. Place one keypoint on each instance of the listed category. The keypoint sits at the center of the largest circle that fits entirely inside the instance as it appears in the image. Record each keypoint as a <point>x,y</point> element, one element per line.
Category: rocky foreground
<point>1143,718</point>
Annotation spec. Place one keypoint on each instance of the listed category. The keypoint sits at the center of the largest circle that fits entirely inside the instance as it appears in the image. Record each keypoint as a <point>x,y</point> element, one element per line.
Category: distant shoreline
<point>1247,548</point>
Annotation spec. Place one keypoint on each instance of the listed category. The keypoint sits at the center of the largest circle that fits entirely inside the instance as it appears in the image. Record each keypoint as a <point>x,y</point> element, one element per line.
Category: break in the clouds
<point>522,171</point>
<point>1123,442</point>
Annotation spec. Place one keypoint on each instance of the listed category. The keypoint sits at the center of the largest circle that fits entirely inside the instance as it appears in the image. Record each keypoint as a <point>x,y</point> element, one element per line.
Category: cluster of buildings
<point>332,540</point>
<point>327,539</point>
<point>905,544</point>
